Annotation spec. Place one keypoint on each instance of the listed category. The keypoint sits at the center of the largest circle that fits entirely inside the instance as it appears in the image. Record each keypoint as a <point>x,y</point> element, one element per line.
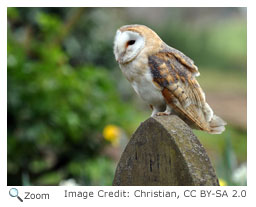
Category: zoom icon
<point>13,192</point>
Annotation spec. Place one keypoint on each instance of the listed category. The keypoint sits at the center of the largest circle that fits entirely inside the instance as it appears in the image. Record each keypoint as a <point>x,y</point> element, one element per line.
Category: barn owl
<point>164,78</point>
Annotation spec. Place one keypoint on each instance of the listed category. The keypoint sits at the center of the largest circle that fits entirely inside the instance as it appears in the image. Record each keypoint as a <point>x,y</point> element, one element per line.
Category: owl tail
<point>217,125</point>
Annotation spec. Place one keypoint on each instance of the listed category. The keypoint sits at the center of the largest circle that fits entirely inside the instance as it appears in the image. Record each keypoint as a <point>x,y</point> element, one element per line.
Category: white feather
<point>124,54</point>
<point>142,83</point>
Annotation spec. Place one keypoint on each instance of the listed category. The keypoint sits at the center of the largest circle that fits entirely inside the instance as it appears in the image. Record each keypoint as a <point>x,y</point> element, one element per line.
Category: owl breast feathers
<point>164,77</point>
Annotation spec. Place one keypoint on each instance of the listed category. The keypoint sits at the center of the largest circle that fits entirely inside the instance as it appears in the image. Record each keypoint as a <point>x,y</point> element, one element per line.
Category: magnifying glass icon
<point>15,193</point>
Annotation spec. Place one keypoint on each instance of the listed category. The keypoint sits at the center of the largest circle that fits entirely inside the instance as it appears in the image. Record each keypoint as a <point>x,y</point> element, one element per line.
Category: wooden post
<point>164,152</point>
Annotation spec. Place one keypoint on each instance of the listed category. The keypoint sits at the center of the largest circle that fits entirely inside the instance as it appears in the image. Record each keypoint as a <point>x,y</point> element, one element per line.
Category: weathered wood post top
<point>164,151</point>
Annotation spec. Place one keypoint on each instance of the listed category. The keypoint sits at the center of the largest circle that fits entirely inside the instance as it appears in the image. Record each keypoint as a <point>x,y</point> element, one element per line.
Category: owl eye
<point>131,42</point>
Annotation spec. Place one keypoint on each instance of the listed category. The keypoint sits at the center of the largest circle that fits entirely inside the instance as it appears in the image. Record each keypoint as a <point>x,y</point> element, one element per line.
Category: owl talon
<point>163,113</point>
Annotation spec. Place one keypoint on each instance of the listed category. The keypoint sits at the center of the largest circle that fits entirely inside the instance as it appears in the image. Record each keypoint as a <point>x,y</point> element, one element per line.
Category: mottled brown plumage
<point>180,89</point>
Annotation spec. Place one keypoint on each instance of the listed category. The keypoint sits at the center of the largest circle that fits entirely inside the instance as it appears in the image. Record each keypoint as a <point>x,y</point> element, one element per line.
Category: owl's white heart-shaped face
<point>127,46</point>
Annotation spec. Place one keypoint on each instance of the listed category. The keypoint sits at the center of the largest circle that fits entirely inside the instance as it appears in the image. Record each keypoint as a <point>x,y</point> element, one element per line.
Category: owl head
<point>130,40</point>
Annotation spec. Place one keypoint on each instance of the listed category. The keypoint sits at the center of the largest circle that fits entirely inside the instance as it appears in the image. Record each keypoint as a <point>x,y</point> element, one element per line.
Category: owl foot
<point>163,113</point>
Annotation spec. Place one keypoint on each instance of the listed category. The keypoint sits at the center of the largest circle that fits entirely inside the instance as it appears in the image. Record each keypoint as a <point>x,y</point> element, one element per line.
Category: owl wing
<point>175,73</point>
<point>183,59</point>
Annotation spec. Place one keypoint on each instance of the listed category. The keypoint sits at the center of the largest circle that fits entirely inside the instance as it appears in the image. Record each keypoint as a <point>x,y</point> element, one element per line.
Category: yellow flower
<point>222,182</point>
<point>112,134</point>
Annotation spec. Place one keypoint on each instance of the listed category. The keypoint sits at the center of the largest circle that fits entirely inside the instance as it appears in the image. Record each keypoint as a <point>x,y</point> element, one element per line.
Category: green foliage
<point>223,41</point>
<point>56,112</point>
<point>97,171</point>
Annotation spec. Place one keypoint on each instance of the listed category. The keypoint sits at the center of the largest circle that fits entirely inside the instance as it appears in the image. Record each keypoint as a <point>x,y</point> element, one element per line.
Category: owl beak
<point>119,60</point>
